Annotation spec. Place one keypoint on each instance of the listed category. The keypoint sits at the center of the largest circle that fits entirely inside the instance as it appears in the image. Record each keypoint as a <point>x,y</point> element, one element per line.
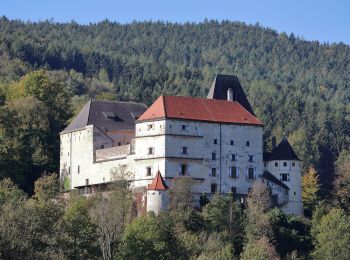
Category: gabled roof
<point>200,109</point>
<point>220,86</point>
<point>283,151</point>
<point>107,115</point>
<point>268,176</point>
<point>158,183</point>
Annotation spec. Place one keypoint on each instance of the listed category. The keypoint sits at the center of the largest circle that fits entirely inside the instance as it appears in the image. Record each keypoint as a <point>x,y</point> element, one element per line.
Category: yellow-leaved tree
<point>310,188</point>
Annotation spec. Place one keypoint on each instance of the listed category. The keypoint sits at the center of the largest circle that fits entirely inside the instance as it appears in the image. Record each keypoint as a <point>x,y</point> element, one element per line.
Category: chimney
<point>273,142</point>
<point>229,94</point>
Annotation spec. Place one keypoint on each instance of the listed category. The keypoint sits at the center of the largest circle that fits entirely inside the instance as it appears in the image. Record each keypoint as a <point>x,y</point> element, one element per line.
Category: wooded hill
<point>296,87</point>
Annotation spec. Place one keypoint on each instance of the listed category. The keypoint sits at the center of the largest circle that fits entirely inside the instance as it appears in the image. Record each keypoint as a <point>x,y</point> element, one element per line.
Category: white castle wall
<point>293,168</point>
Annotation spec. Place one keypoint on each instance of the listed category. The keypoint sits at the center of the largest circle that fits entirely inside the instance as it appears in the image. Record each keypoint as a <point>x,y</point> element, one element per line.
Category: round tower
<point>285,165</point>
<point>157,194</point>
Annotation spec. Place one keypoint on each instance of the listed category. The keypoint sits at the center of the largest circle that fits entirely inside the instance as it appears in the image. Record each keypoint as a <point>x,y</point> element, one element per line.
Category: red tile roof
<point>158,183</point>
<point>212,110</point>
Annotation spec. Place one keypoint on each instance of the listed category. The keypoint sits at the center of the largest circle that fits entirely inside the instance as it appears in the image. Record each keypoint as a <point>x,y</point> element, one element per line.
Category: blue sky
<point>325,21</point>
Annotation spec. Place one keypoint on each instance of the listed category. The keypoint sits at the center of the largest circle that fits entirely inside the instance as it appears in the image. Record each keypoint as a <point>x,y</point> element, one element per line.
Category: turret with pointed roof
<point>283,151</point>
<point>158,183</point>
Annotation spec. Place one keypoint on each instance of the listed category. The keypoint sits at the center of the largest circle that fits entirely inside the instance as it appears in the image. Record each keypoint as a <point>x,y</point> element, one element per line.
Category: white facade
<point>220,157</point>
<point>289,172</point>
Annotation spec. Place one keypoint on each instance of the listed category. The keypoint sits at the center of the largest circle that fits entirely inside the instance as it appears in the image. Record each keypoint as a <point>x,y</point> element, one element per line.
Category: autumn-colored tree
<point>261,249</point>
<point>310,188</point>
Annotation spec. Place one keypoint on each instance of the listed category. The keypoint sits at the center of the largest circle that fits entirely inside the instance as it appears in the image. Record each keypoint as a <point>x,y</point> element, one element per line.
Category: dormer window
<point>112,116</point>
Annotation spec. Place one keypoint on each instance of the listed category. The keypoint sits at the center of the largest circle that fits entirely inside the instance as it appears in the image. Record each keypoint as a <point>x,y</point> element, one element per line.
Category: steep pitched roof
<point>158,183</point>
<point>268,176</point>
<point>220,86</point>
<point>283,151</point>
<point>200,109</point>
<point>107,115</point>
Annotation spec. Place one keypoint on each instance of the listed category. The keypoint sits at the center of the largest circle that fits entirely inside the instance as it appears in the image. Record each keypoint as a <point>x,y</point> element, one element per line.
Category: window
<point>150,150</point>
<point>295,193</point>
<point>87,182</point>
<point>247,143</point>
<point>215,141</point>
<point>293,164</point>
<point>284,177</point>
<point>251,158</point>
<point>184,150</point>
<point>265,164</point>
<point>213,188</point>
<point>183,169</point>
<point>231,142</point>
<point>213,172</point>
<point>183,127</point>
<point>149,171</point>
<point>233,190</point>
<point>284,164</point>
<point>78,168</point>
<point>233,157</point>
<point>276,164</point>
<point>68,153</point>
<point>102,146</point>
<point>149,126</point>
<point>213,156</point>
<point>233,172</point>
<point>119,143</point>
<point>251,175</point>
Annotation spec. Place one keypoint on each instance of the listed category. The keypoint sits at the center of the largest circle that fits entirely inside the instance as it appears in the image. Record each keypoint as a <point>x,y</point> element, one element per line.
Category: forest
<point>49,70</point>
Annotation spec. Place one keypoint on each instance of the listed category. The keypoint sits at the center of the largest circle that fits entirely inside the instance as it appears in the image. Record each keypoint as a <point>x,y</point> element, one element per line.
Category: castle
<point>217,142</point>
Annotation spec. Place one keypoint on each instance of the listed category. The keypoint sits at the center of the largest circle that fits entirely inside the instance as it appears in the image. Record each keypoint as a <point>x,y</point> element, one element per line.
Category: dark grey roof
<point>220,86</point>
<point>283,151</point>
<point>268,176</point>
<point>107,115</point>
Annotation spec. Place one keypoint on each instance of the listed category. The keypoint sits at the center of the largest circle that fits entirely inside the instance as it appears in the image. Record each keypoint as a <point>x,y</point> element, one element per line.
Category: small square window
<point>251,175</point>
<point>215,141</point>
<point>213,156</point>
<point>183,169</point>
<point>284,164</point>
<point>233,157</point>
<point>213,172</point>
<point>102,146</point>
<point>284,177</point>
<point>149,171</point>
<point>251,158</point>
<point>184,150</point>
<point>276,164</point>
<point>231,142</point>
<point>233,173</point>
<point>150,150</point>
<point>213,188</point>
<point>149,126</point>
<point>247,143</point>
<point>183,127</point>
